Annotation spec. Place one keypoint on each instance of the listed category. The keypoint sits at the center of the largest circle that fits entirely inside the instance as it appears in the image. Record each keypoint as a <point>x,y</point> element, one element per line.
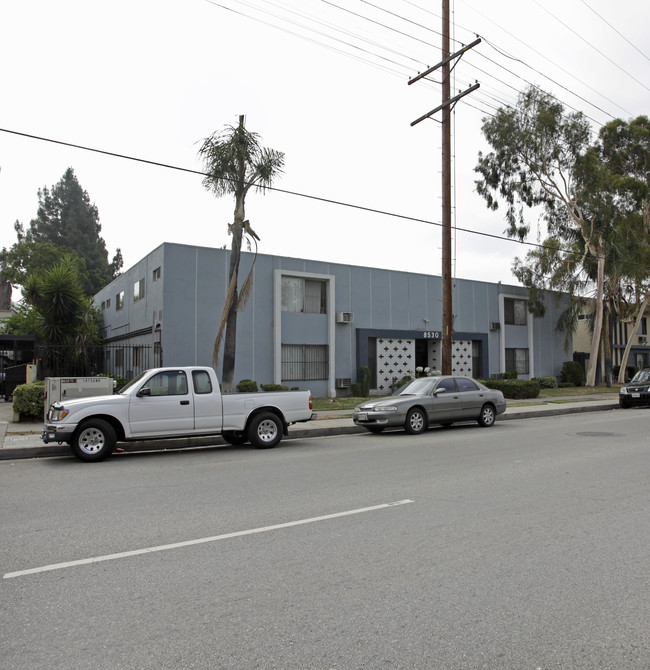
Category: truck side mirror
<point>145,390</point>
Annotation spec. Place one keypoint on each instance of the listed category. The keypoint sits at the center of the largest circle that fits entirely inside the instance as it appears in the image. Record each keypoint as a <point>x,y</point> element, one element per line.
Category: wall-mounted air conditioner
<point>495,325</point>
<point>344,317</point>
<point>642,339</point>
<point>343,382</point>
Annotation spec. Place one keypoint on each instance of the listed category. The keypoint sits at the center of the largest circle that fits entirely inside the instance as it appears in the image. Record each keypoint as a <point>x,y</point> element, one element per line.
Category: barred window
<point>301,362</point>
<point>515,312</point>
<point>517,359</point>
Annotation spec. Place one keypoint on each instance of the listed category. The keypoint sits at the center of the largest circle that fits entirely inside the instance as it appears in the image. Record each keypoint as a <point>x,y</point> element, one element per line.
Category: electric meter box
<point>68,388</point>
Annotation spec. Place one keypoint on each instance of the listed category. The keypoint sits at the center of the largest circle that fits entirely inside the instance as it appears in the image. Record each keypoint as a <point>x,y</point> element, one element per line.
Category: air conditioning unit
<point>343,382</point>
<point>344,317</point>
<point>495,325</point>
<point>642,339</point>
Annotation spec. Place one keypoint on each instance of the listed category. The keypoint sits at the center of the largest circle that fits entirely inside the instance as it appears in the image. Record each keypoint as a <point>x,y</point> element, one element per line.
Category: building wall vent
<point>344,317</point>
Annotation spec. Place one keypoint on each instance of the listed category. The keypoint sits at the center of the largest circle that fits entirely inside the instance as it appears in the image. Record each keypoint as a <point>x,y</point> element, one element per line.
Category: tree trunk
<point>230,341</point>
<point>598,319</point>
<point>630,338</point>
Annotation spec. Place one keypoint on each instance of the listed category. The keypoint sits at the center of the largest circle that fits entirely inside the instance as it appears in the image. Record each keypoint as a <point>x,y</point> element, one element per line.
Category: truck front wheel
<point>94,440</point>
<point>265,430</point>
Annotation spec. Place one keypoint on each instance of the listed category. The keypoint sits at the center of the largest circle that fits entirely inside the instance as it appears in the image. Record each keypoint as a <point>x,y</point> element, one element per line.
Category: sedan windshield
<point>422,386</point>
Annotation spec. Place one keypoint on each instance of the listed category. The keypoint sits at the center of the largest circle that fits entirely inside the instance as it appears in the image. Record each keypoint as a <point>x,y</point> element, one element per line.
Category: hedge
<point>247,386</point>
<point>274,387</point>
<point>29,401</point>
<point>546,382</point>
<point>515,389</point>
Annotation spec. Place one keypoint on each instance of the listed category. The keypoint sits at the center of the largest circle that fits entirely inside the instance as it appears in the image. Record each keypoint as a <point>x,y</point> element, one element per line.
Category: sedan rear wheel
<point>416,421</point>
<point>487,417</point>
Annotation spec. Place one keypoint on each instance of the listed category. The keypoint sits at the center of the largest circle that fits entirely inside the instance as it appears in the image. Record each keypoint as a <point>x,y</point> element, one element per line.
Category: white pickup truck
<point>173,402</point>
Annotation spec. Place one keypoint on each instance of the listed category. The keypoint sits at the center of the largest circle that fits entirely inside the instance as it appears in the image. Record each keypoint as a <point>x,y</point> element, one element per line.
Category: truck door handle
<point>185,402</point>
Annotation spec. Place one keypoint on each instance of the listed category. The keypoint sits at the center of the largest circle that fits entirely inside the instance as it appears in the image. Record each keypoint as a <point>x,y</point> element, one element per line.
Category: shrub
<point>119,381</point>
<point>29,401</point>
<point>400,382</point>
<point>355,390</point>
<point>364,380</point>
<point>572,372</point>
<point>510,374</point>
<point>546,382</point>
<point>247,386</point>
<point>515,389</point>
<point>274,387</point>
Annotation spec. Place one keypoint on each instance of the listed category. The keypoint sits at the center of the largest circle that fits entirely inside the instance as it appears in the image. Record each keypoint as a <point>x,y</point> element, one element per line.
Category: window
<point>138,290</point>
<point>465,384</point>
<point>173,382</point>
<point>119,357</point>
<point>156,274</point>
<point>517,359</point>
<point>202,383</point>
<point>138,356</point>
<point>103,305</point>
<point>119,301</point>
<point>644,326</point>
<point>304,295</point>
<point>448,384</point>
<point>304,361</point>
<point>515,312</point>
<point>108,303</point>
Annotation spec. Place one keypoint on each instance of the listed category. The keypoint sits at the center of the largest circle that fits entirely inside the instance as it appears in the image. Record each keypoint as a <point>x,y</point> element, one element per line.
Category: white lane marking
<point>203,540</point>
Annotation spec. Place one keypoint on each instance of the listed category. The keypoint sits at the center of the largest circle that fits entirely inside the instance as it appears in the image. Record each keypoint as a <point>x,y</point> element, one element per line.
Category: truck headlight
<point>57,413</point>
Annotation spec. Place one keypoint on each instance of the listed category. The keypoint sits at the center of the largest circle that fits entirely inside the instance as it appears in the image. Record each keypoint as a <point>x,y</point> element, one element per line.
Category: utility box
<point>68,388</point>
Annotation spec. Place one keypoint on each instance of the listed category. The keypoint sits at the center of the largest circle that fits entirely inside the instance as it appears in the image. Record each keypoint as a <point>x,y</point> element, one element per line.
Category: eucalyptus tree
<point>235,162</point>
<point>625,149</point>
<point>541,159</point>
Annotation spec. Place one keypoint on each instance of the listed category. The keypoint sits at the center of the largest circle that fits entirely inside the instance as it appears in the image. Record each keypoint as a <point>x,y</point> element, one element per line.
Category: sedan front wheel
<point>416,421</point>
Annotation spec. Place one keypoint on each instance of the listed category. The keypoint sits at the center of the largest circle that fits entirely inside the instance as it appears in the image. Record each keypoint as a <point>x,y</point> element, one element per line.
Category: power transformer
<point>67,388</point>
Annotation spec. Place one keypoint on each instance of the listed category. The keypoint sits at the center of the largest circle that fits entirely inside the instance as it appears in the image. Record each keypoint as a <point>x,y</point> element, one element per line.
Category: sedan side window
<point>465,384</point>
<point>448,384</point>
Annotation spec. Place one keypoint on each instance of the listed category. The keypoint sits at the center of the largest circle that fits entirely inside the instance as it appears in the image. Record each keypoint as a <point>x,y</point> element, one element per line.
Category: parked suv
<point>636,391</point>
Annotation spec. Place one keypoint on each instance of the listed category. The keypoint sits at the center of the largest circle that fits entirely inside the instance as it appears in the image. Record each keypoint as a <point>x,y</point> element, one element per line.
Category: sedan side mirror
<point>439,391</point>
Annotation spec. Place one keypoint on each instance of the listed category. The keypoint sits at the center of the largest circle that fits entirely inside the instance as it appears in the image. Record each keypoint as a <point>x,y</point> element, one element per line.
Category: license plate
<point>363,416</point>
<point>635,395</point>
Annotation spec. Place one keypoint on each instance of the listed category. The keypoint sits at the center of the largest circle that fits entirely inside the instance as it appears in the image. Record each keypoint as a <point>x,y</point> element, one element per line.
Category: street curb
<point>179,444</point>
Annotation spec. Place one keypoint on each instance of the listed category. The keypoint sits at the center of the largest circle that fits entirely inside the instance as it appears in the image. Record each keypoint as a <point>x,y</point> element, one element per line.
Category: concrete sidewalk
<point>23,440</point>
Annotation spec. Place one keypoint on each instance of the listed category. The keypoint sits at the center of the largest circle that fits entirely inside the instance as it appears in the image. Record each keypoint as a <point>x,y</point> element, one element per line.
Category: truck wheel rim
<point>91,441</point>
<point>267,430</point>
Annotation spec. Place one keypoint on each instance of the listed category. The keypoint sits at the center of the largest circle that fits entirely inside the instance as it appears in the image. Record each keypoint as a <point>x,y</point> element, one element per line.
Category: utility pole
<point>446,105</point>
<point>447,310</point>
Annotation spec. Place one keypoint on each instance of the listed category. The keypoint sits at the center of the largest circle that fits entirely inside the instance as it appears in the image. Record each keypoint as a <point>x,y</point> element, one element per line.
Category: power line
<point>595,48</point>
<point>307,196</point>
<point>618,32</point>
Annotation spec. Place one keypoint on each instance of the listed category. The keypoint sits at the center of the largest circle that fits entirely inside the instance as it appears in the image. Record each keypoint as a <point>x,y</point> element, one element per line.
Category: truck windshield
<point>135,380</point>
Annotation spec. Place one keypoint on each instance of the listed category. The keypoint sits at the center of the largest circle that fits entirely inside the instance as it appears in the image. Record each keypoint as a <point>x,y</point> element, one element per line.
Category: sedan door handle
<point>185,402</point>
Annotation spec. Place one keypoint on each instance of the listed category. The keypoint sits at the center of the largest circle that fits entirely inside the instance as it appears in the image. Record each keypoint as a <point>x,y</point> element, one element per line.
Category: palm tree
<point>234,162</point>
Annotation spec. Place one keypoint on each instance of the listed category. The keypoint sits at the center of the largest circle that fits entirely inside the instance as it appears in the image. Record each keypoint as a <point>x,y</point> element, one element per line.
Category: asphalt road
<point>524,546</point>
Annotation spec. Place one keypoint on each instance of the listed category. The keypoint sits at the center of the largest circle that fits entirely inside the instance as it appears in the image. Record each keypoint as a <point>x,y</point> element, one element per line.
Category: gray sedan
<point>432,400</point>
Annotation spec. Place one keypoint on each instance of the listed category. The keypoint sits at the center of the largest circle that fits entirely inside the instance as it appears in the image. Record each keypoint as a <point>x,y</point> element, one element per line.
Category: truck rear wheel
<point>265,430</point>
<point>94,440</point>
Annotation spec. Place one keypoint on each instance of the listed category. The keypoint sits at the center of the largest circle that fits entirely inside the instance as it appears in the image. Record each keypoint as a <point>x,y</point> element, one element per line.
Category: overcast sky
<point>324,82</point>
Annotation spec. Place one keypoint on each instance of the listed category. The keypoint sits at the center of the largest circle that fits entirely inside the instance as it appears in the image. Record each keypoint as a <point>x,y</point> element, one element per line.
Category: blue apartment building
<point>312,324</point>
